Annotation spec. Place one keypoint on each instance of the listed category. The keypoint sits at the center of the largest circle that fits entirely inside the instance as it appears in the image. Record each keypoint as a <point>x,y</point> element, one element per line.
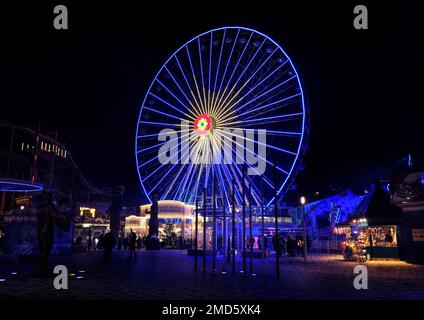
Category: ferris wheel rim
<point>289,178</point>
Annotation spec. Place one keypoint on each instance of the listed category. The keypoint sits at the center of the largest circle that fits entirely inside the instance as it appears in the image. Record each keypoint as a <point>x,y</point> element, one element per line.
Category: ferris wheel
<point>227,101</point>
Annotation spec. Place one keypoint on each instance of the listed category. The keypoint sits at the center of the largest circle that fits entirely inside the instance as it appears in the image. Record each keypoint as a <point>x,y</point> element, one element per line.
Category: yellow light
<point>302,200</point>
<point>91,210</point>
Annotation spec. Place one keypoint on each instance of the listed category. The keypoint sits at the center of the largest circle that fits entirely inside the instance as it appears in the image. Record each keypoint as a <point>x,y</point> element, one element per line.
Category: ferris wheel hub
<point>203,124</point>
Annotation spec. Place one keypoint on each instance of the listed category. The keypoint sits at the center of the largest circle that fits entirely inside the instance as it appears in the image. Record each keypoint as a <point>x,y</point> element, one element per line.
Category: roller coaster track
<point>69,157</point>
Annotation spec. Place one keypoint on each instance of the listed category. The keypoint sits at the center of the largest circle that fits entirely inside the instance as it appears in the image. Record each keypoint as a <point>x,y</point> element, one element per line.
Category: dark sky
<point>364,87</point>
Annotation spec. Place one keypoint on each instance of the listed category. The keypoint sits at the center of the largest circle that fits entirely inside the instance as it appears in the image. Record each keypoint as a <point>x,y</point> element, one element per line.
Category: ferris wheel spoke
<point>169,104</point>
<point>198,104</point>
<point>253,190</point>
<point>163,177</point>
<point>171,185</point>
<point>202,76</point>
<point>152,147</point>
<point>224,173</point>
<point>239,174</point>
<point>153,172</point>
<point>261,95</point>
<point>156,135</point>
<point>161,165</point>
<point>222,186</point>
<point>193,166</point>
<point>246,162</point>
<point>197,146</point>
<point>218,67</point>
<point>157,145</point>
<point>222,99</point>
<point>283,133</point>
<point>164,114</point>
<point>143,136</point>
<point>266,119</point>
<point>287,103</point>
<point>195,80</point>
<point>272,97</point>
<point>224,105</point>
<point>164,152</point>
<point>237,177</point>
<point>237,64</point>
<point>210,71</point>
<point>181,90</point>
<point>167,174</point>
<point>199,173</point>
<point>186,189</point>
<point>257,155</point>
<point>225,72</point>
<point>163,124</point>
<point>176,98</point>
<point>269,105</point>
<point>262,80</point>
<point>188,192</point>
<point>264,144</point>
<point>219,169</point>
<point>183,181</point>
<point>279,190</point>
<point>231,107</point>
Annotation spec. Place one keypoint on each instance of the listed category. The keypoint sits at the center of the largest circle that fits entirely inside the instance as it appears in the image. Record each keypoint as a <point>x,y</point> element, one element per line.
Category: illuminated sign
<point>91,211</point>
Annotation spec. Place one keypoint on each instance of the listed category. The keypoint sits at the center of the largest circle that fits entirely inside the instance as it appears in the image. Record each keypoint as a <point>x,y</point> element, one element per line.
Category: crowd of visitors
<point>290,245</point>
<point>286,244</point>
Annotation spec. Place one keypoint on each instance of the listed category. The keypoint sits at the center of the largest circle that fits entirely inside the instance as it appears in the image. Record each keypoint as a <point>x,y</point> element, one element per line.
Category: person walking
<point>108,245</point>
<point>300,244</point>
<point>291,246</point>
<point>132,239</point>
<point>283,244</point>
<point>100,243</point>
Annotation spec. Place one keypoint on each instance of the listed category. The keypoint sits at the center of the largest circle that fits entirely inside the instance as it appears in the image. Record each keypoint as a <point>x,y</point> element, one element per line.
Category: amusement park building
<point>182,218</point>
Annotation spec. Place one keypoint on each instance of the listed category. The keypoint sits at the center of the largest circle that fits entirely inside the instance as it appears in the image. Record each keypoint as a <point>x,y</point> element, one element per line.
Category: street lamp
<point>302,207</point>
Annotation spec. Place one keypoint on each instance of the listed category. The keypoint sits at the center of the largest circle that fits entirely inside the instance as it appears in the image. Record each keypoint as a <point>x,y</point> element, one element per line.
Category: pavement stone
<point>170,275</point>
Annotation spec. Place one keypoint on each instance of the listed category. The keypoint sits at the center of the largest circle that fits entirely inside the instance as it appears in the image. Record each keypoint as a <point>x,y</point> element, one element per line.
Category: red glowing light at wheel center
<point>203,123</point>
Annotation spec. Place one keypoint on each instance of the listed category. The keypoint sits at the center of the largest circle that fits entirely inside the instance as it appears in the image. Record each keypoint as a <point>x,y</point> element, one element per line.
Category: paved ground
<point>169,275</point>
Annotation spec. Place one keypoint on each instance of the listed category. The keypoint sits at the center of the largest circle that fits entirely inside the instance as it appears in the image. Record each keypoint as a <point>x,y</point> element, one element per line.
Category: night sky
<point>364,87</point>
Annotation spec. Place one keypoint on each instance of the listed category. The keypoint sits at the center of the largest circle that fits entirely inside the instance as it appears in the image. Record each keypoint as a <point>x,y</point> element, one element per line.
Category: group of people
<point>291,245</point>
<point>285,245</point>
<point>108,243</point>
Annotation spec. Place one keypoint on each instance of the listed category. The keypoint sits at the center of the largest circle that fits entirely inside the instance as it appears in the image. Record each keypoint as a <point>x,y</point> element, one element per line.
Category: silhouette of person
<point>108,244</point>
<point>132,239</point>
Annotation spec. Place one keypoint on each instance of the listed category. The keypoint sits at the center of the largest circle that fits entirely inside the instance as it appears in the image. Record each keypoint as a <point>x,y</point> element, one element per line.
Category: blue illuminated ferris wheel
<point>228,100</point>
